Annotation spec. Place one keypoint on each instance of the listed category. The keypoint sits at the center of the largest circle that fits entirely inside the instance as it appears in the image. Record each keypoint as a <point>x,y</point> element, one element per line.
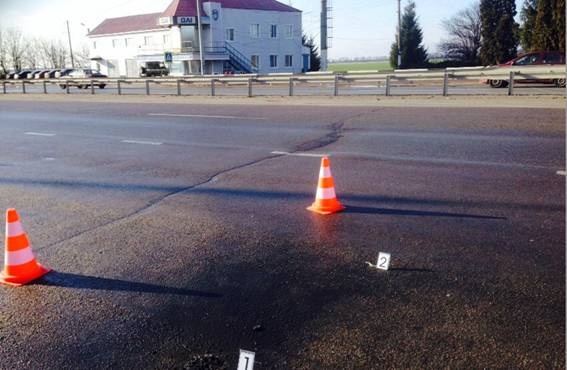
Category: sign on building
<point>165,21</point>
<point>186,20</point>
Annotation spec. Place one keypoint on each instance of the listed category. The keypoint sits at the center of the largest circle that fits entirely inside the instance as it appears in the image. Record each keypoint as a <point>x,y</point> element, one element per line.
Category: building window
<point>273,61</point>
<point>147,40</point>
<point>255,61</point>
<point>274,31</point>
<point>255,31</point>
<point>230,34</point>
<point>115,43</point>
<point>166,40</point>
<point>289,60</point>
<point>94,44</point>
<point>288,30</point>
<point>129,42</point>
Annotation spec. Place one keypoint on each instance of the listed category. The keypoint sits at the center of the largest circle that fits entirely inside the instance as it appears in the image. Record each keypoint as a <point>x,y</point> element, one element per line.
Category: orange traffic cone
<point>326,201</point>
<point>20,266</point>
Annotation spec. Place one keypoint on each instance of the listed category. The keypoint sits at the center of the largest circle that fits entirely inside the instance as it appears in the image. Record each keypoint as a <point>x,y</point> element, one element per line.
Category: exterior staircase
<point>238,61</point>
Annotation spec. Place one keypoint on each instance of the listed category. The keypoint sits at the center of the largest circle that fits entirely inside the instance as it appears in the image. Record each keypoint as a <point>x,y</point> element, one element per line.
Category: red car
<point>534,59</point>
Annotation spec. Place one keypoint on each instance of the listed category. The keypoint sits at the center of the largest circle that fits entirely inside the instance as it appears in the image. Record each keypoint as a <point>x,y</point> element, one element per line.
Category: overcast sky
<point>361,28</point>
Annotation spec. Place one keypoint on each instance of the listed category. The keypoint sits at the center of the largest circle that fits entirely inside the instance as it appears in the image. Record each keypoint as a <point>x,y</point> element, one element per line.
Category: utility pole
<point>200,37</point>
<point>323,33</point>
<point>399,33</point>
<point>70,46</point>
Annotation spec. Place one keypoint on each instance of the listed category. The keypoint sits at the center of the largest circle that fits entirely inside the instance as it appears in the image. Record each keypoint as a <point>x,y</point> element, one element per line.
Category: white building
<point>251,36</point>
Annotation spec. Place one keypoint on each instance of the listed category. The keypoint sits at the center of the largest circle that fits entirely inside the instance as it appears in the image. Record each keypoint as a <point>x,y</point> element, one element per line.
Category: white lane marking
<point>562,173</point>
<point>38,134</point>
<point>140,142</point>
<point>48,159</point>
<point>299,154</point>
<point>205,116</point>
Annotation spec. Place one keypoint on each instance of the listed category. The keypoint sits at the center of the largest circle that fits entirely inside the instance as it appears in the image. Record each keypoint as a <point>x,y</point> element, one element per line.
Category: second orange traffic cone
<point>20,266</point>
<point>326,201</point>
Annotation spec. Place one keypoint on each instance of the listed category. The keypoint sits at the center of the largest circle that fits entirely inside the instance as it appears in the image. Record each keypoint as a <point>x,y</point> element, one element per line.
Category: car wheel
<point>62,87</point>
<point>498,83</point>
<point>79,86</point>
<point>560,82</point>
<point>101,86</point>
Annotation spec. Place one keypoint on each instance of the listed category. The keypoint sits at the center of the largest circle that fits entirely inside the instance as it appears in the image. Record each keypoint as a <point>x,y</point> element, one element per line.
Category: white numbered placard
<point>246,360</point>
<point>383,261</point>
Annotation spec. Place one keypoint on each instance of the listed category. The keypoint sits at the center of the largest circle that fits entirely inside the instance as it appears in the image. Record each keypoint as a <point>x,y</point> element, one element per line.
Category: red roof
<point>188,8</point>
<point>180,8</point>
<point>127,24</point>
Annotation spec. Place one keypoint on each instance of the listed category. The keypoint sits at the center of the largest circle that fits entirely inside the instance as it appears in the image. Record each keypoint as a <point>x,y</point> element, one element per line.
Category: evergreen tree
<point>315,59</point>
<point>544,33</point>
<point>559,22</point>
<point>527,29</point>
<point>499,31</point>
<point>413,53</point>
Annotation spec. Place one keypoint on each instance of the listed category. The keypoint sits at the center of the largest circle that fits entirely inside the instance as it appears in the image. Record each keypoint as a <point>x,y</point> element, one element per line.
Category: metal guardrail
<point>507,74</point>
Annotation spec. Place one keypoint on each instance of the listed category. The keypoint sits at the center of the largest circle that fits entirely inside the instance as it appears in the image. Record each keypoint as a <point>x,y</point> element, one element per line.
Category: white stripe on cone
<point>325,172</point>
<point>19,258</point>
<point>14,229</point>
<point>326,193</point>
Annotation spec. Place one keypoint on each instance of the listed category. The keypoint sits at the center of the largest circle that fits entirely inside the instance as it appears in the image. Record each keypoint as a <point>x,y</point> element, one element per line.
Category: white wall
<point>264,46</point>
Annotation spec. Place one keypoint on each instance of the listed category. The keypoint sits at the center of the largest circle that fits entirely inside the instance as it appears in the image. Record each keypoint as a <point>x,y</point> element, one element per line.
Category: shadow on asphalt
<point>66,280</point>
<point>274,195</point>
<point>409,212</point>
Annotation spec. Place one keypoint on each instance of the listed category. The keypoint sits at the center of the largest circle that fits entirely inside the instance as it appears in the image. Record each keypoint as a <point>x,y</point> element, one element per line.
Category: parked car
<point>151,69</point>
<point>63,72</point>
<point>31,74</point>
<point>533,59</point>
<point>11,75</point>
<point>22,74</point>
<point>40,74</point>
<point>86,74</point>
<point>52,73</point>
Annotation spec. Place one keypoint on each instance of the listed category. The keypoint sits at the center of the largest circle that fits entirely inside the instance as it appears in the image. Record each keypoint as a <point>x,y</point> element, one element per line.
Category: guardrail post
<point>119,87</point>
<point>249,87</point>
<point>388,82</point>
<point>178,87</point>
<point>511,84</point>
<point>44,87</point>
<point>67,88</point>
<point>446,84</point>
<point>291,84</point>
<point>92,87</point>
<point>4,87</point>
<point>23,87</point>
<point>336,93</point>
<point>213,92</point>
<point>147,87</point>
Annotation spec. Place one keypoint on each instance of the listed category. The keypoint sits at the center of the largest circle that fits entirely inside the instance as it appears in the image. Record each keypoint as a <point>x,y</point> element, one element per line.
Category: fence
<point>439,78</point>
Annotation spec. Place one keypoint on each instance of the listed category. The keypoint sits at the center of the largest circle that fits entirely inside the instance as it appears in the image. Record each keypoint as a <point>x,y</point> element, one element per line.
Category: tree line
<point>485,33</point>
<point>18,52</point>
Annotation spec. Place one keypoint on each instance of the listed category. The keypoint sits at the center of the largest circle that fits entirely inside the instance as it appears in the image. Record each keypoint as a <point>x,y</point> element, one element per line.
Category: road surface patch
<point>141,142</point>
<point>39,134</point>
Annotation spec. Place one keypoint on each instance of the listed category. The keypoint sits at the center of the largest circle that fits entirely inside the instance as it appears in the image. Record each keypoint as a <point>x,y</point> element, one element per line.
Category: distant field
<point>360,66</point>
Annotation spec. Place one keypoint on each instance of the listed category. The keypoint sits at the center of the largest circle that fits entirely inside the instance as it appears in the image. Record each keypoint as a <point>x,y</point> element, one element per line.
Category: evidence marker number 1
<point>246,360</point>
<point>383,261</point>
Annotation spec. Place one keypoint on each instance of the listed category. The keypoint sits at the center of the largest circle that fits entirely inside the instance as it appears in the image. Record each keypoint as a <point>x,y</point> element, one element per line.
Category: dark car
<point>40,74</point>
<point>63,72</point>
<point>22,74</point>
<point>51,73</point>
<point>152,69</point>
<point>84,74</point>
<point>538,58</point>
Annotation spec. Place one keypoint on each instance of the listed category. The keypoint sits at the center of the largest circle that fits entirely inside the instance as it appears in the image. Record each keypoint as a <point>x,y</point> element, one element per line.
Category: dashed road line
<point>205,116</point>
<point>38,134</point>
<point>141,142</point>
<point>315,155</point>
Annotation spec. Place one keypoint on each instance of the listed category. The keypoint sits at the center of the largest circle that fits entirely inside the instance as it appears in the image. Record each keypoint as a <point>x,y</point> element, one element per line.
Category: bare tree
<point>3,51</point>
<point>15,46</point>
<point>32,57</point>
<point>54,53</point>
<point>82,57</point>
<point>464,41</point>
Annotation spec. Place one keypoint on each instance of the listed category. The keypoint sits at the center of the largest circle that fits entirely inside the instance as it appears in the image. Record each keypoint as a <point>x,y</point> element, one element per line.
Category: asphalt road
<point>178,237</point>
<point>300,89</point>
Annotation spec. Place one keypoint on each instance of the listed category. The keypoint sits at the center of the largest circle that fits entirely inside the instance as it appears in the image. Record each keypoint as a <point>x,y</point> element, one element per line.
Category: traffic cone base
<point>19,280</point>
<point>326,201</point>
<point>20,265</point>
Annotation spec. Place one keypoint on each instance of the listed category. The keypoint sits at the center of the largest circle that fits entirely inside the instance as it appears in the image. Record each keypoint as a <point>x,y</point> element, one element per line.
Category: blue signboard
<point>168,57</point>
